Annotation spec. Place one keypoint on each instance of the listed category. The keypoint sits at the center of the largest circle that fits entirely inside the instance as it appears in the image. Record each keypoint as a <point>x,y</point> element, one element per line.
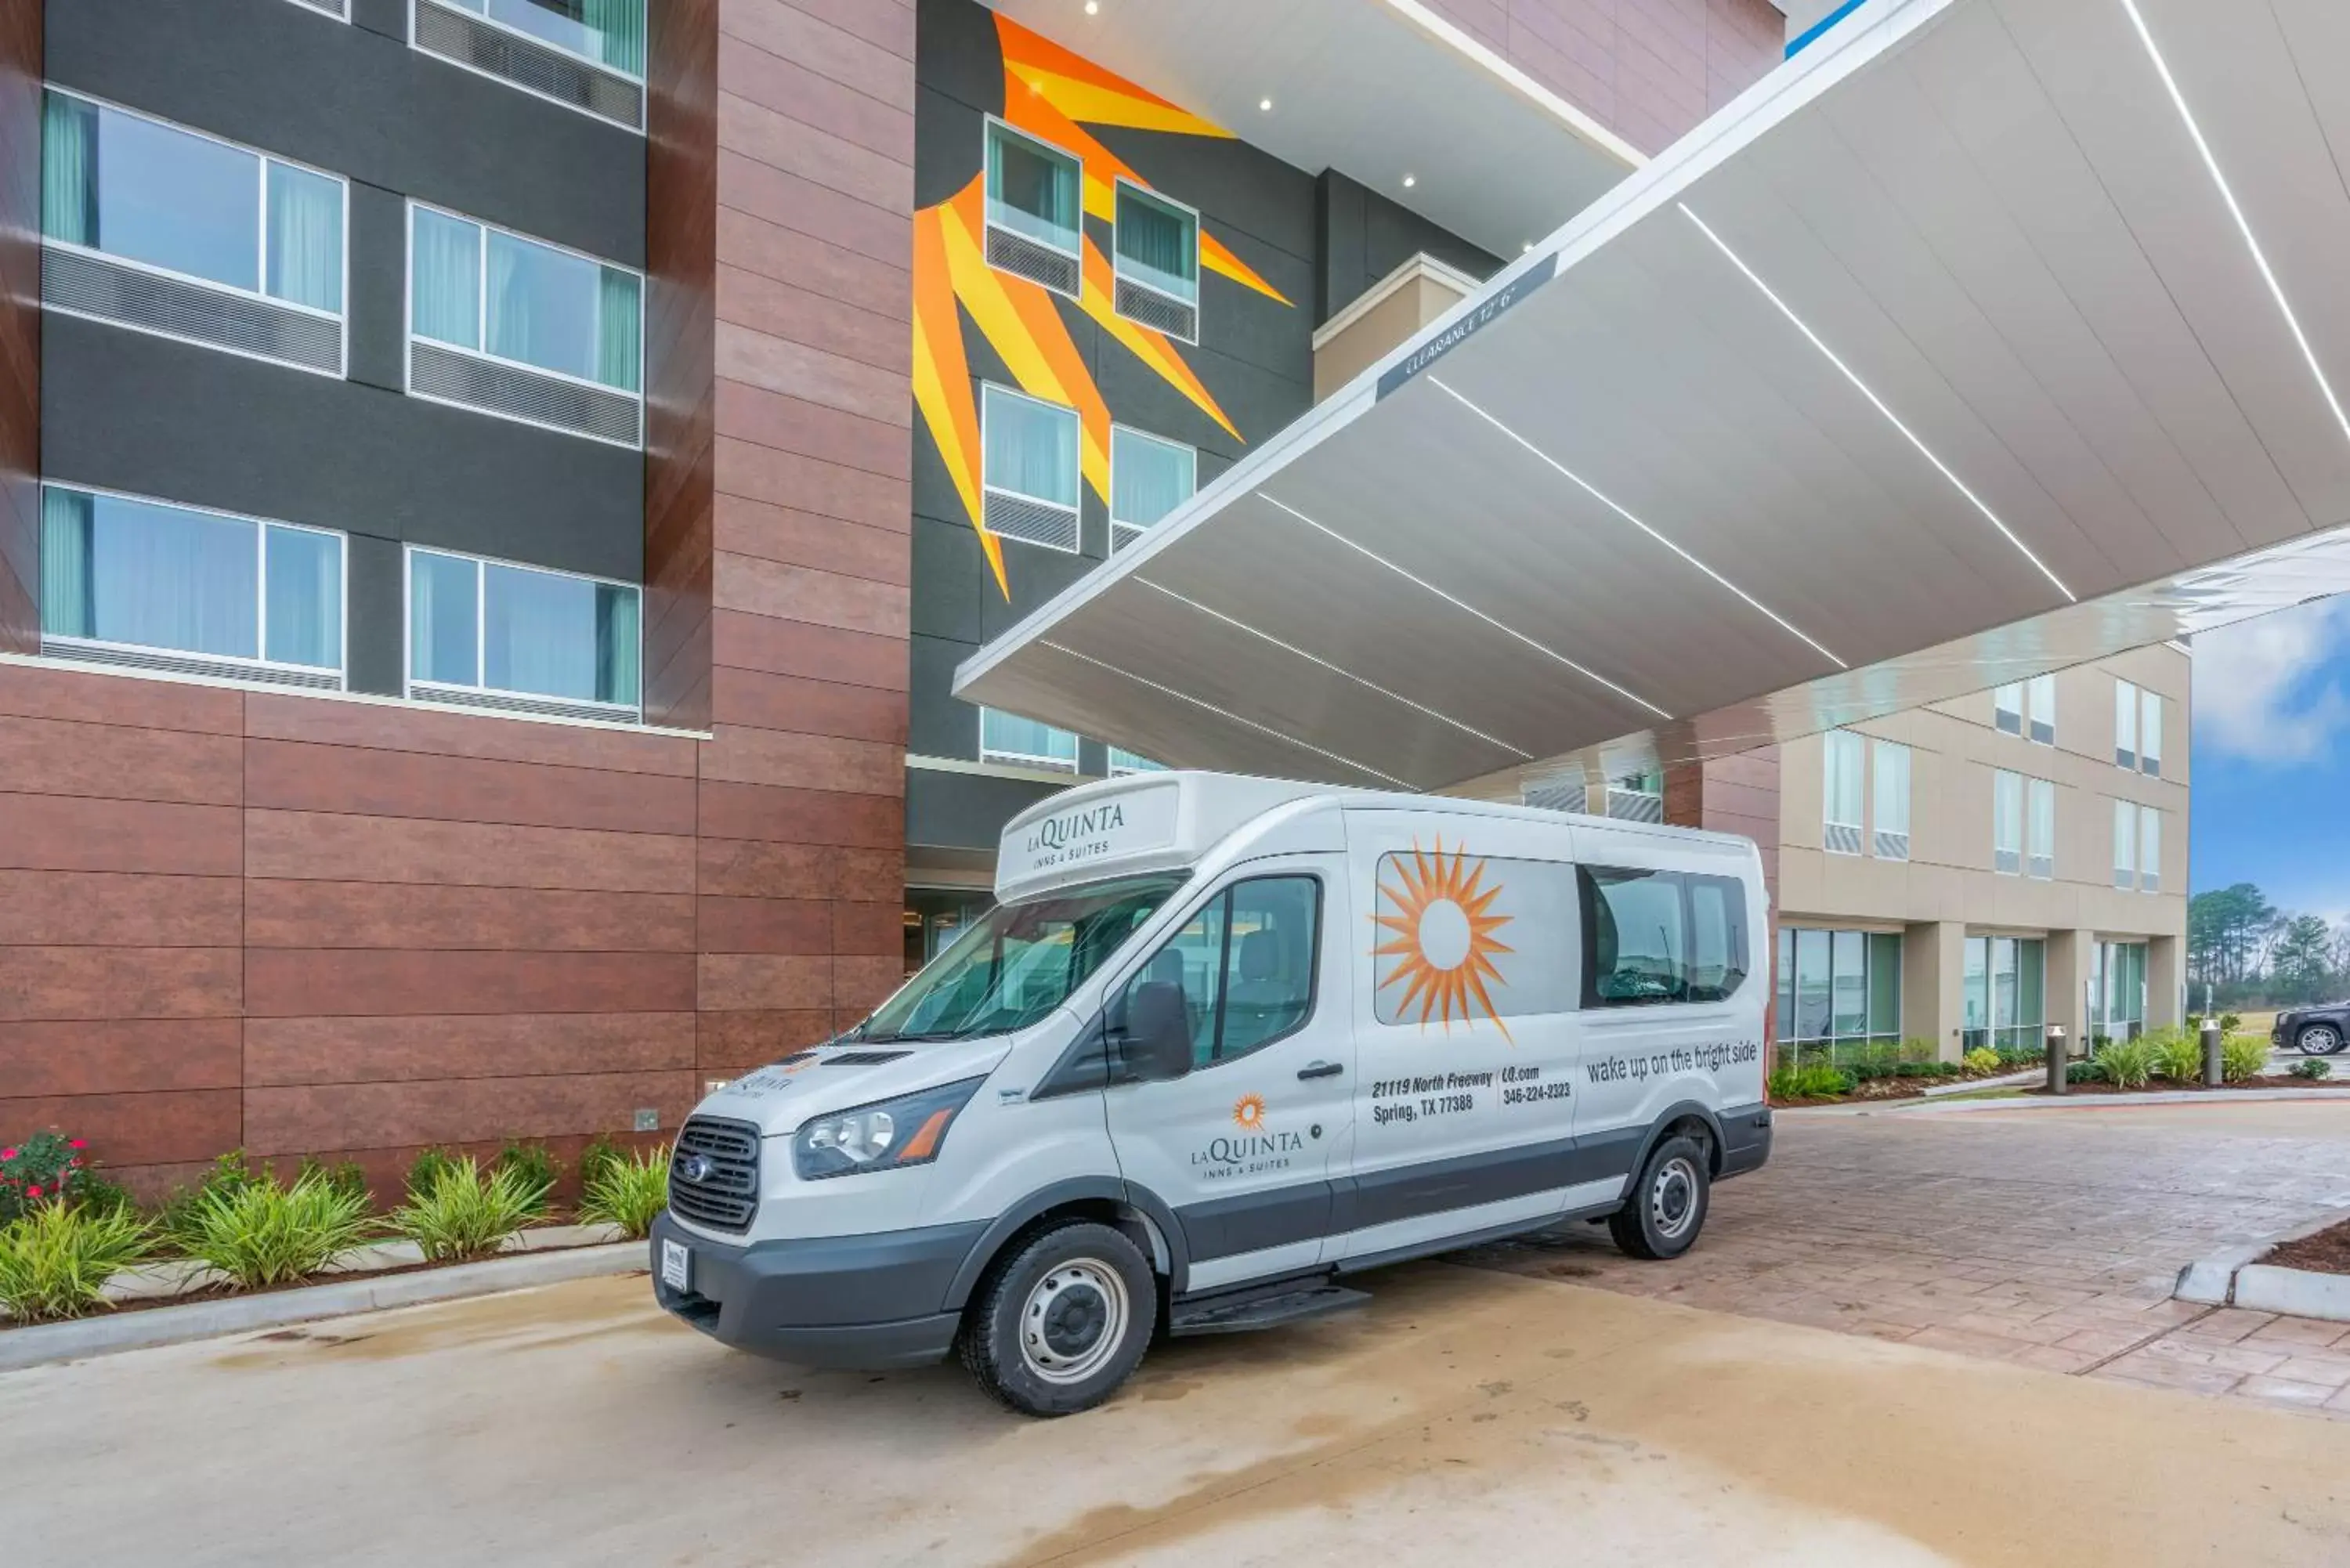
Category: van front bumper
<point>871,1302</point>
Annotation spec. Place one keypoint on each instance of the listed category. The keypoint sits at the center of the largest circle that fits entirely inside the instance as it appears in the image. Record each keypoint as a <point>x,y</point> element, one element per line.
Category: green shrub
<point>465,1213</point>
<point>228,1177</point>
<point>536,1165</point>
<point>2090,1072</point>
<point>628,1193</point>
<point>45,1165</point>
<point>261,1234</point>
<point>2242,1056</point>
<point>97,1193</point>
<point>2178,1055</point>
<point>2129,1064</point>
<point>602,1152</point>
<point>2230,1021</point>
<point>55,1261</point>
<point>2312,1068</point>
<point>343,1175</point>
<point>1981,1059</point>
<point>426,1169</point>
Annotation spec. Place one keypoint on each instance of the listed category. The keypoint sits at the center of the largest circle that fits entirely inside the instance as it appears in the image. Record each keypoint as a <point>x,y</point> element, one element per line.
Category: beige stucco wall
<point>1394,309</point>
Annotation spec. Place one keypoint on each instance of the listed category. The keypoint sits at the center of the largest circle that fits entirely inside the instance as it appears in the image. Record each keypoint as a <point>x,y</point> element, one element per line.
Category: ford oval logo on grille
<point>697,1168</point>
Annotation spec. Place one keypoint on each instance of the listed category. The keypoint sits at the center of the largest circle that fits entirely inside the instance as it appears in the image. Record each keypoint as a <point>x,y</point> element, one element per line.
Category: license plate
<point>675,1264</point>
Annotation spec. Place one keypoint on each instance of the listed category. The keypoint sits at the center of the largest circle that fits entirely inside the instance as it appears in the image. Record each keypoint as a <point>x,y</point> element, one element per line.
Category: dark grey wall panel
<point>377,603</point>
<point>155,417</point>
<point>938,724</point>
<point>965,811</point>
<point>1366,236</point>
<point>378,304</point>
<point>388,18</point>
<point>350,99</point>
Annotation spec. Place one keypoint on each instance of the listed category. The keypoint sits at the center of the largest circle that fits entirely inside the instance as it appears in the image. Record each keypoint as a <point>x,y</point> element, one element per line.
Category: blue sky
<point>2272,757</point>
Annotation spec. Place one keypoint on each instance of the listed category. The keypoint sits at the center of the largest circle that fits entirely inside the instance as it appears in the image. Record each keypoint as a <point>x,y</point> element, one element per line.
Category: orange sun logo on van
<point>1440,937</point>
<point>1248,1113</point>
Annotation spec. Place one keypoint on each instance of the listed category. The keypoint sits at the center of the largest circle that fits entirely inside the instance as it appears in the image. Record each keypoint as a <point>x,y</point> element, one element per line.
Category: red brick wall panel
<point>384,727</point>
<point>315,845</point>
<point>80,908</point>
<point>458,1110</point>
<point>289,776</point>
<point>115,761</point>
<point>300,983</point>
<point>45,1060</point>
<point>407,915</point>
<point>732,1043</point>
<point>104,983</point>
<point>803,817</point>
<point>163,1126</point>
<point>64,833</point>
<point>284,1051</point>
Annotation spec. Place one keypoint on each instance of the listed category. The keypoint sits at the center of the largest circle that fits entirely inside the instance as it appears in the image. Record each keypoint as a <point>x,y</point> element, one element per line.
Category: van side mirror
<point>1150,1033</point>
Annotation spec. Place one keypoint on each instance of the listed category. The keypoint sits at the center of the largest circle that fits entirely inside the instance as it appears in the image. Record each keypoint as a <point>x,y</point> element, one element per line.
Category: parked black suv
<point>2313,1031</point>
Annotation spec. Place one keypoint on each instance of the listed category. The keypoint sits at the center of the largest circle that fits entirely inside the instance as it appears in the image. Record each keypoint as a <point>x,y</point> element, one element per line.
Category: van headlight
<point>907,1130</point>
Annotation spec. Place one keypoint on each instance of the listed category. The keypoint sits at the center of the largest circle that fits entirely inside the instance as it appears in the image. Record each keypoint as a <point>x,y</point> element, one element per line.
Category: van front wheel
<point>1063,1321</point>
<point>1665,1208</point>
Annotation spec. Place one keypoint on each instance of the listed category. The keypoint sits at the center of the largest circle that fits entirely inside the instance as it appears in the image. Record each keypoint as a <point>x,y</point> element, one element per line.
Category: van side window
<point>1244,966</point>
<point>1637,940</point>
<point>1653,937</point>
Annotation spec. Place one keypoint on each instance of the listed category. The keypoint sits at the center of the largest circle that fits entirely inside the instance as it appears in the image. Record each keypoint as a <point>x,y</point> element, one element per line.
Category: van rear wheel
<point>1665,1208</point>
<point>1062,1320</point>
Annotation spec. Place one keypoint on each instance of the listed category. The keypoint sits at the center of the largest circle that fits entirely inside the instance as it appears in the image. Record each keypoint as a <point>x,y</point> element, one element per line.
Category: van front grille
<point>728,1195</point>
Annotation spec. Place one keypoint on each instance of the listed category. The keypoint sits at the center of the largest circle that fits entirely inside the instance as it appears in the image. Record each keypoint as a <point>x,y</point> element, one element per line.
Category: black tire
<point>1665,1207</point>
<point>2319,1040</point>
<point>1034,1334</point>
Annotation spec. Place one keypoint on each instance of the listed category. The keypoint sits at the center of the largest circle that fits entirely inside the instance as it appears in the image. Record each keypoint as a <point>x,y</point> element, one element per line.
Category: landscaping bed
<point>2170,1086</point>
<point>1840,1076</point>
<point>2326,1252</point>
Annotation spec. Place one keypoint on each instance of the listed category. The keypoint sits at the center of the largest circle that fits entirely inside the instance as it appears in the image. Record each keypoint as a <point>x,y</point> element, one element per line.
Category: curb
<point>2230,1277</point>
<point>43,1343</point>
<point>2067,1102</point>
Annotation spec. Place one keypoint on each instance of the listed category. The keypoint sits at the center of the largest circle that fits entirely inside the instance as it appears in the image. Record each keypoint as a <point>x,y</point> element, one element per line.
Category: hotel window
<point>524,329</point>
<point>1034,214</point>
<point>2126,715</point>
<point>1890,796</point>
<point>1123,762</point>
<point>1840,819</point>
<point>155,586</point>
<point>1028,469</point>
<point>336,8</point>
<point>2149,734</point>
<point>2007,708</point>
<point>2005,988</point>
<point>2040,826</point>
<point>2124,844</point>
<point>2041,699</point>
<point>1148,478</point>
<point>2007,822</point>
<point>1839,991</point>
<point>1637,797</point>
<point>1158,247</point>
<point>2149,849</point>
<point>588,54</point>
<point>167,231</point>
<point>488,634</point>
<point>1024,742</point>
<point>2118,990</point>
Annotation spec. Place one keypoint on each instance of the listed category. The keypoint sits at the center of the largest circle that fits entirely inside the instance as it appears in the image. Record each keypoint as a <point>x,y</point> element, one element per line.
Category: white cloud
<point>2263,691</point>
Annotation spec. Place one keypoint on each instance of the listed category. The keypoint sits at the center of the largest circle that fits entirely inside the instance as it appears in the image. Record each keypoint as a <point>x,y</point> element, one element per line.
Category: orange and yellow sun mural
<point>1440,937</point>
<point>1051,94</point>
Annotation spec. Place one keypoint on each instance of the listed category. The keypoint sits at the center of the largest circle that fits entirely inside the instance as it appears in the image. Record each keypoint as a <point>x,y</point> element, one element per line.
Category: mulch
<point>2327,1253</point>
<point>2165,1087</point>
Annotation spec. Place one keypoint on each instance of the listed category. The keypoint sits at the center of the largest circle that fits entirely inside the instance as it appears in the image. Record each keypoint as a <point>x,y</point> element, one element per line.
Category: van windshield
<point>1018,963</point>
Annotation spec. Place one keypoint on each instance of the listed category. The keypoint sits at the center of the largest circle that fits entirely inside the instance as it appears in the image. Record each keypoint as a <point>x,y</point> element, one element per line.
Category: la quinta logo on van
<point>1057,832</point>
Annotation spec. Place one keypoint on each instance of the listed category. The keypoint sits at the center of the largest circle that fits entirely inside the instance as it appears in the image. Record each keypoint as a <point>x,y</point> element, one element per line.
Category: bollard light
<point>2059,1059</point>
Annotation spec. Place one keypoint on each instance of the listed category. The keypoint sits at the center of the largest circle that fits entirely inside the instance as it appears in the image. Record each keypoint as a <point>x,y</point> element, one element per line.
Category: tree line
<point>2253,953</point>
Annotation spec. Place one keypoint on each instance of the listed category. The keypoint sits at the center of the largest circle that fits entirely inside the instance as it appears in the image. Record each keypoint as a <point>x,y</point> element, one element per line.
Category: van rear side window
<point>1657,937</point>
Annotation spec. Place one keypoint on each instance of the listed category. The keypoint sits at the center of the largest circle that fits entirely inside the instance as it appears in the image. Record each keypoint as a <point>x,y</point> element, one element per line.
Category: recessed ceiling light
<point>1093,8</point>
<point>1525,248</point>
<point>1265,105</point>
<point>1409,180</point>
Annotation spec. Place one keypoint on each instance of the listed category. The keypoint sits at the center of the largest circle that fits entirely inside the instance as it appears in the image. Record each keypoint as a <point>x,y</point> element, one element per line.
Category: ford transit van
<point>1224,1045</point>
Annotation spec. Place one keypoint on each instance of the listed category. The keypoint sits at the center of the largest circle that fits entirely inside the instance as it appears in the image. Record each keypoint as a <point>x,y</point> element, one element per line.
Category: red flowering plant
<point>47,1166</point>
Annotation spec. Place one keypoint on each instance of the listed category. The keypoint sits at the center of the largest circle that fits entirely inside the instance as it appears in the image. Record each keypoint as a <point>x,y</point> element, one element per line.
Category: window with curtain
<point>2040,828</point>
<point>2118,990</point>
<point>1889,788</point>
<point>1841,806</point>
<point>610,33</point>
<point>2126,715</point>
<point>487,625</point>
<point>2007,708</point>
<point>1026,743</point>
<point>2007,822</point>
<point>2005,987</point>
<point>1148,478</point>
<point>2124,844</point>
<point>1157,243</point>
<point>1839,991</point>
<point>133,574</point>
<point>2149,734</point>
<point>1029,448</point>
<point>2041,699</point>
<point>488,291</point>
<point>1123,762</point>
<point>2149,849</point>
<point>144,191</point>
<point>1033,189</point>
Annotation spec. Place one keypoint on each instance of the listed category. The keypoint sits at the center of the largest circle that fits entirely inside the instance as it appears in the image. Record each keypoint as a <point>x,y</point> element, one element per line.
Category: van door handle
<point>1321,1070</point>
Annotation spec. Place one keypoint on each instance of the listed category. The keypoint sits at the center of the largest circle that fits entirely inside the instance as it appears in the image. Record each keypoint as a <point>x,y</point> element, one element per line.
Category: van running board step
<point>1261,1312</point>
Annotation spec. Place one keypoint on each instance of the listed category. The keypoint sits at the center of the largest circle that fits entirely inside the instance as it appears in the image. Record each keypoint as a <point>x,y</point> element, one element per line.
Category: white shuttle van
<point>1224,1043</point>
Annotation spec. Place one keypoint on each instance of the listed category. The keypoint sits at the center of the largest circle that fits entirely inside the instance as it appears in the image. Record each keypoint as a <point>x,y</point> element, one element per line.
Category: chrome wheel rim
<point>1074,1321</point>
<point>1672,1198</point>
<point>2320,1040</point>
